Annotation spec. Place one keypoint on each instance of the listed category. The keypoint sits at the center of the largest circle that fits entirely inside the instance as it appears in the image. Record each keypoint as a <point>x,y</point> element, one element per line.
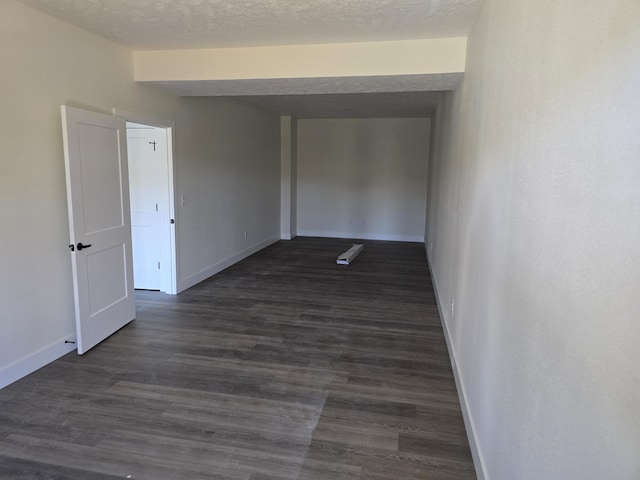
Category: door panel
<point>101,178</point>
<point>107,267</point>
<point>99,219</point>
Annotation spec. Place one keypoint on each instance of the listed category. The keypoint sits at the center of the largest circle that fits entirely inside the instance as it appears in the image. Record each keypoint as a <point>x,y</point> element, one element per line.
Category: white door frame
<point>169,126</point>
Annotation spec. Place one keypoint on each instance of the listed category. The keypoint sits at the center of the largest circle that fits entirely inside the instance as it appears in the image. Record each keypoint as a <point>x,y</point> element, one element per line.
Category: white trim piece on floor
<point>347,257</point>
<point>207,272</point>
<point>474,444</point>
<point>35,361</point>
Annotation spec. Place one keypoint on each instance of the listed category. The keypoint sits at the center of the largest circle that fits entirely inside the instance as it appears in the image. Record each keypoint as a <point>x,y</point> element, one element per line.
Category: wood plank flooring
<point>284,366</point>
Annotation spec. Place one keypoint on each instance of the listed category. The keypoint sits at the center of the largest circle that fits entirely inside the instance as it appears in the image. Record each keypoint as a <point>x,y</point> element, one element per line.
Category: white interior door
<point>99,223</point>
<point>149,194</point>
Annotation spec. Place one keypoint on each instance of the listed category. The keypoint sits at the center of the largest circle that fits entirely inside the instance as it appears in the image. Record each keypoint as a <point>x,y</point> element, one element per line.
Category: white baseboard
<point>205,273</point>
<point>362,236</point>
<point>29,364</point>
<point>474,444</point>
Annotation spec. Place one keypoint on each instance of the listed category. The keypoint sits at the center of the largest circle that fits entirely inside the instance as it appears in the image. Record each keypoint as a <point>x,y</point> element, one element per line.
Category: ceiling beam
<point>381,59</point>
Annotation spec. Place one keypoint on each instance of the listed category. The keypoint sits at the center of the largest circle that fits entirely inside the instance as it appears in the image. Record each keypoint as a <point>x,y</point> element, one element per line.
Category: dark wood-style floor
<point>284,366</point>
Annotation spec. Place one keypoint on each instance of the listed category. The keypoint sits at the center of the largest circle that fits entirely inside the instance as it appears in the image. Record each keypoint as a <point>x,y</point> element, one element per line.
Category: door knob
<point>81,246</point>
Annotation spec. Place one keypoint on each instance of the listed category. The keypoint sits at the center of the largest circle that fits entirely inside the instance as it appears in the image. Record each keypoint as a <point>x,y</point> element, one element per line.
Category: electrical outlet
<point>453,304</point>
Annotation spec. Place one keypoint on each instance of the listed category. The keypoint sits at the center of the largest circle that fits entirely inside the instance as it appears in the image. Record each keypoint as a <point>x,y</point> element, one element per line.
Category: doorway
<point>150,155</point>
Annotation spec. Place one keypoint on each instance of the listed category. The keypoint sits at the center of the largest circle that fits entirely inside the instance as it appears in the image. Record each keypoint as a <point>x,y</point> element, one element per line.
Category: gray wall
<point>534,223</point>
<point>229,176</point>
<point>47,63</point>
<point>363,178</point>
<point>227,167</point>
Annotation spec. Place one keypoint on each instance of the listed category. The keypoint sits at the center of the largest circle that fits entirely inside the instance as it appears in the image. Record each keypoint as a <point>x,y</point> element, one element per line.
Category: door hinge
<point>172,221</point>
<point>158,265</point>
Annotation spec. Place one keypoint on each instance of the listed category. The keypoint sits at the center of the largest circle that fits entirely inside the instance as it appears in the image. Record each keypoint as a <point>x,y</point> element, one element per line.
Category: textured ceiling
<point>176,24</point>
